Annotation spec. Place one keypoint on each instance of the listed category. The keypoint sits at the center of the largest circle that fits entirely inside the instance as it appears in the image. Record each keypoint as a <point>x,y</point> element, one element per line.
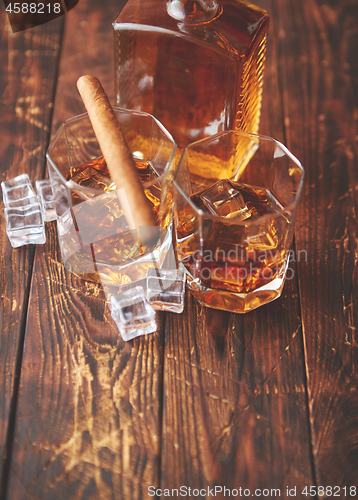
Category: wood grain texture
<point>87,48</point>
<point>235,403</point>
<point>87,422</point>
<point>319,71</point>
<point>235,411</point>
<point>27,82</point>
<point>89,412</point>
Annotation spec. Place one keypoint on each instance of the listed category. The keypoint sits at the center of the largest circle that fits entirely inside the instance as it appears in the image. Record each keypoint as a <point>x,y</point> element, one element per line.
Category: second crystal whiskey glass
<point>235,201</point>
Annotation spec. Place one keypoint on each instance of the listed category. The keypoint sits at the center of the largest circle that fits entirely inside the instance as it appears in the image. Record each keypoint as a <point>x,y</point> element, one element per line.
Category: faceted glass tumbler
<point>132,313</point>
<point>235,198</point>
<point>96,240</point>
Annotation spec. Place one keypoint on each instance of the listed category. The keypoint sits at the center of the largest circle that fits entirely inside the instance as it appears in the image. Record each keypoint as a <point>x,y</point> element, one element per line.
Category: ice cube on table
<point>224,200</point>
<point>19,196</point>
<point>20,180</point>
<point>166,289</point>
<point>132,313</point>
<point>46,199</point>
<point>25,225</point>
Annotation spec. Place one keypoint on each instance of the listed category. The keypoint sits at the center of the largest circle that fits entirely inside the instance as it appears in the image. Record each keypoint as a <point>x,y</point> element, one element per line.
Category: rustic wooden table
<point>266,400</point>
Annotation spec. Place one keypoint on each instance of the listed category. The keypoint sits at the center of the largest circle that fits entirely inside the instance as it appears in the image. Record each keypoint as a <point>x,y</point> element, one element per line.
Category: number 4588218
<point>33,8</point>
<point>329,491</point>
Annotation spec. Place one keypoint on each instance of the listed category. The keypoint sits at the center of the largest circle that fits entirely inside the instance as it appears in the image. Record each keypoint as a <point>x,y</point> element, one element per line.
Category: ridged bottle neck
<point>192,11</point>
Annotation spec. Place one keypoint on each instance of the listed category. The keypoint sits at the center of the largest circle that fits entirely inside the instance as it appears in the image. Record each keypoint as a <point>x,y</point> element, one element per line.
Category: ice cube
<point>19,196</point>
<point>132,313</point>
<point>224,200</point>
<point>266,238</point>
<point>91,178</point>
<point>166,289</point>
<point>25,225</point>
<point>20,180</point>
<point>46,199</point>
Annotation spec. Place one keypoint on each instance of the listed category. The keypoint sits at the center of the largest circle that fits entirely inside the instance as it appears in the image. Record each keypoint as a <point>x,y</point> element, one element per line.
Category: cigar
<point>119,160</point>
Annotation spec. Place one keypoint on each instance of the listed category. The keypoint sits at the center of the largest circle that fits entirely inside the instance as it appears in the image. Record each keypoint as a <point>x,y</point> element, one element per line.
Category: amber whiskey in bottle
<point>196,65</point>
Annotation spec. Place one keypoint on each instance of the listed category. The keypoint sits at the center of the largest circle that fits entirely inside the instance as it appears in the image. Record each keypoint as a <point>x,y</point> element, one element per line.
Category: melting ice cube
<point>224,200</point>
<point>20,180</point>
<point>90,177</point>
<point>46,199</point>
<point>132,313</point>
<point>24,221</point>
<point>19,196</point>
<point>25,225</point>
<point>166,289</point>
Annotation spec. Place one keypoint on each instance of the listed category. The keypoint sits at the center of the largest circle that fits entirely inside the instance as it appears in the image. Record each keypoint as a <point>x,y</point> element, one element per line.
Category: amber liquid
<point>99,228</point>
<point>236,257</point>
<point>198,80</point>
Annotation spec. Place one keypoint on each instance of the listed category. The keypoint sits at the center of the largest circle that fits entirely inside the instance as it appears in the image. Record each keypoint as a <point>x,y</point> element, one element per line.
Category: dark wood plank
<point>89,413</point>
<point>87,48</point>
<point>319,69</point>
<point>235,411</point>
<point>87,423</point>
<point>27,83</point>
